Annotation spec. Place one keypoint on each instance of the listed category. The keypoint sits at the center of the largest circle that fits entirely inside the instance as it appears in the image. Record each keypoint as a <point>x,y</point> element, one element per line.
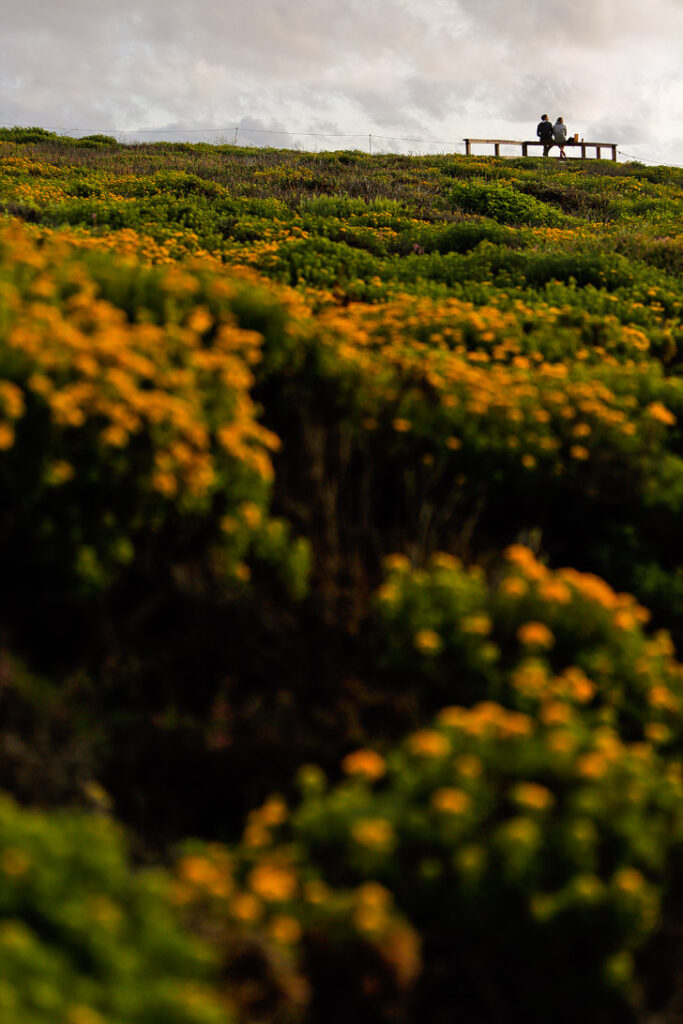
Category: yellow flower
<point>285,929</point>
<point>660,696</point>
<point>375,833</point>
<point>659,412</point>
<point>531,678</point>
<point>514,586</point>
<point>592,765</point>
<point>535,634</point>
<point>442,560</point>
<point>556,713</point>
<point>533,796</point>
<point>402,426</point>
<point>251,513</point>
<point>657,732</point>
<point>522,831</point>
<point>480,625</point>
<point>369,918</point>
<point>388,592</point>
<point>373,894</point>
<point>428,641</point>
<point>273,882</point>
<point>452,716</point>
<point>200,320</point>
<point>272,812</point>
<point>59,472</point>
<point>450,801</point>
<point>246,907</point>
<point>203,874</point>
<point>629,880</point>
<point>397,563</point>
<point>316,892</point>
<point>428,743</point>
<point>6,436</point>
<point>555,590</point>
<point>561,741</point>
<point>364,762</point>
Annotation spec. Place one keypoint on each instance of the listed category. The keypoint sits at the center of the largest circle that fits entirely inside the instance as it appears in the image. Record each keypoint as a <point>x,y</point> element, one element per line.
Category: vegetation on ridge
<point>295,449</point>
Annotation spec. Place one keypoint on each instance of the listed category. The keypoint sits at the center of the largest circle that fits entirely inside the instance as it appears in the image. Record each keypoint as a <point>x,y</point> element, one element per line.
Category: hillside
<point>342,567</point>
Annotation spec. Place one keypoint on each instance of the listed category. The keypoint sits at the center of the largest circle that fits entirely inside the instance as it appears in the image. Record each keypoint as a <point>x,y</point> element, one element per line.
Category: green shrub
<point>147,423</point>
<point>535,637</point>
<point>502,202</point>
<point>84,939</point>
<point>533,856</point>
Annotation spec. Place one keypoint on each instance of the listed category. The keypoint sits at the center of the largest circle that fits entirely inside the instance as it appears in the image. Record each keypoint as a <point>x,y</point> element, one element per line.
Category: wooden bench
<point>583,146</point>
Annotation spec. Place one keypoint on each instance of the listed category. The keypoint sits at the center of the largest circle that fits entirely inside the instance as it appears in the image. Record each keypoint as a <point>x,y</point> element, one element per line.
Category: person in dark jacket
<point>545,134</point>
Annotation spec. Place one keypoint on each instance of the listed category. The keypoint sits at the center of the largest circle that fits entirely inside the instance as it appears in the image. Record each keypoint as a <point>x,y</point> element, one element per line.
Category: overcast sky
<point>427,70</point>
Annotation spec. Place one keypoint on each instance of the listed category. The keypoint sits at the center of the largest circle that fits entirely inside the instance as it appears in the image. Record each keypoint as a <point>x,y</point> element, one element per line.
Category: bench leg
<point>525,149</point>
<point>496,148</point>
<point>598,152</point>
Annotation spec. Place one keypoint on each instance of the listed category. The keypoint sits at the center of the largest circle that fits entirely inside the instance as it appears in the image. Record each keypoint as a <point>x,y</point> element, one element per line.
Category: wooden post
<point>598,152</point>
<point>614,153</point>
<point>496,148</point>
<point>468,148</point>
<point>525,149</point>
<point>583,151</point>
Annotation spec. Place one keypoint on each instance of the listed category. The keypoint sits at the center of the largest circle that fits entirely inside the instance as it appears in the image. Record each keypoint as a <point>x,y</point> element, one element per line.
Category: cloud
<point>443,68</point>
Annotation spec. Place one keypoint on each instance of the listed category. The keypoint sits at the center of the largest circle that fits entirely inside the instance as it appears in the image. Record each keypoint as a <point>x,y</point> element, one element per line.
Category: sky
<point>322,74</point>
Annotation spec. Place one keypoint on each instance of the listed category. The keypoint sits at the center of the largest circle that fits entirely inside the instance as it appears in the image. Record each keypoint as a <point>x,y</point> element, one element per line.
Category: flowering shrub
<point>531,834</point>
<point>503,202</point>
<point>532,854</point>
<point>86,940</point>
<point>536,640</point>
<point>117,425</point>
<point>470,353</point>
<point>292,947</point>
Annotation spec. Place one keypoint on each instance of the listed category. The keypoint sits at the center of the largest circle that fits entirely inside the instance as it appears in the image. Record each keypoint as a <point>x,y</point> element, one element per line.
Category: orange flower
<point>428,743</point>
<point>450,801</point>
<point>660,412</point>
<point>533,796</point>
<point>535,634</point>
<point>364,762</point>
<point>428,641</point>
<point>375,833</point>
<point>285,929</point>
<point>273,882</point>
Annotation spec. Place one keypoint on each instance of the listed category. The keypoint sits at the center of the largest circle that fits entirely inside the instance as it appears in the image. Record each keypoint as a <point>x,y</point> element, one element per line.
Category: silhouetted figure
<point>560,136</point>
<point>545,134</point>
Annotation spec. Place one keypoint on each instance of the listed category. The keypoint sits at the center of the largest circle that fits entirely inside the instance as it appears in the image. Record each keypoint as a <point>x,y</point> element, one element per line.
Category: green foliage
<point>146,422</point>
<point>502,202</point>
<point>91,141</point>
<point>84,938</point>
<point>531,835</point>
<point>536,636</point>
<point>24,135</point>
<point>231,382</point>
<point>532,856</point>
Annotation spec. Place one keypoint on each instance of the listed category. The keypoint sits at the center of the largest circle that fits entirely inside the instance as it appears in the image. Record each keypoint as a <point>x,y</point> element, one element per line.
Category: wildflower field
<point>341,603</point>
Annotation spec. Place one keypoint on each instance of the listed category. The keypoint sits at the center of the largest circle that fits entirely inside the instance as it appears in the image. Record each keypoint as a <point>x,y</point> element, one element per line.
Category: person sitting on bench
<point>560,136</point>
<point>545,134</point>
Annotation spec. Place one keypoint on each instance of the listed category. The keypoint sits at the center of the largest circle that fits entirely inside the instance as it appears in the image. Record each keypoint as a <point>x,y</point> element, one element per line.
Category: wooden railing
<point>571,145</point>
